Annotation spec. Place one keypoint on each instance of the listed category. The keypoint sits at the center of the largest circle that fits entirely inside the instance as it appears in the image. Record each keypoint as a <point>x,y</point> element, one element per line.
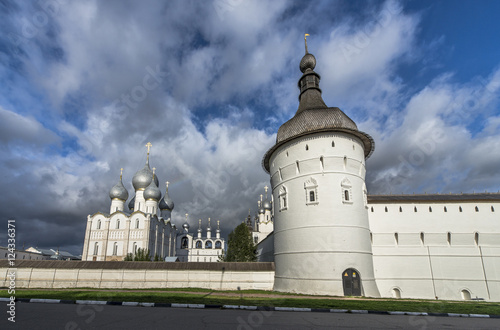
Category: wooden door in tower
<point>351,281</point>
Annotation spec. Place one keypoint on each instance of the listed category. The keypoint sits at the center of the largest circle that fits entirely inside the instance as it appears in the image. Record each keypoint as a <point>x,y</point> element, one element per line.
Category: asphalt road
<point>65,316</point>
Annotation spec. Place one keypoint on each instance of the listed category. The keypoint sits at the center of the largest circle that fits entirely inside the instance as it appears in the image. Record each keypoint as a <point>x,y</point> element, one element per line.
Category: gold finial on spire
<point>167,183</point>
<point>261,198</point>
<point>148,145</point>
<point>121,173</point>
<point>305,40</point>
<point>199,224</point>
<point>154,169</point>
<point>218,223</point>
<point>265,188</point>
<point>186,217</point>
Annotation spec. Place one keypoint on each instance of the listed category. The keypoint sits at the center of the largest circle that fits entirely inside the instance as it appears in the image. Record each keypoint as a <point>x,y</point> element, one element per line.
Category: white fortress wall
<point>448,249</point>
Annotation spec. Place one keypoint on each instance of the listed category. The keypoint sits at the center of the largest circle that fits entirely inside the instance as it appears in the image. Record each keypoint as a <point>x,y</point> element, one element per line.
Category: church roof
<point>314,116</point>
<point>480,197</point>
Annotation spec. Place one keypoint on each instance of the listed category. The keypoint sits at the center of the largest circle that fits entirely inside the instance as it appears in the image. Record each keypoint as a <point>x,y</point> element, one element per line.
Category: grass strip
<point>212,298</point>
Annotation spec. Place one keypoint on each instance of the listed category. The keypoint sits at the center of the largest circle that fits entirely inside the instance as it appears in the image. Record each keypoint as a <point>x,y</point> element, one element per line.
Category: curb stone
<point>242,307</point>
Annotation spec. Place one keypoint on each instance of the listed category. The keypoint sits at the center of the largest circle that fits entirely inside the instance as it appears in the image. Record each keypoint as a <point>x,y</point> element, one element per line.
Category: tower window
<point>477,209</point>
<point>184,243</point>
<point>208,245</point>
<point>386,209</point>
<point>333,144</point>
<point>396,238</point>
<point>422,238</point>
<point>400,209</point>
<point>448,238</point>
<point>307,147</point>
<point>117,224</point>
<point>346,191</point>
<point>460,209</point>
<point>218,244</point>
<point>115,248</point>
<point>137,224</point>
<point>198,244</point>
<point>476,238</point>
<point>311,188</point>
<point>492,208</point>
<point>96,248</point>
<point>445,209</point>
<point>415,209</point>
<point>430,209</point>
<point>98,224</point>
<point>372,208</point>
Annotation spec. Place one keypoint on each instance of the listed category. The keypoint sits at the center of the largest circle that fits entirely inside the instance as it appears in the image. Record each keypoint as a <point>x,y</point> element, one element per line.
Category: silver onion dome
<point>143,178</point>
<point>267,205</point>
<point>261,210</point>
<point>119,191</point>
<point>185,226</point>
<point>152,192</point>
<point>166,202</point>
<point>307,62</point>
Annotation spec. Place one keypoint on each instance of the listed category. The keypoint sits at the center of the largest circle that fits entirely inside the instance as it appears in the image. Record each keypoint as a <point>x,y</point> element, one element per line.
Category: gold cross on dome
<point>154,169</point>
<point>148,145</point>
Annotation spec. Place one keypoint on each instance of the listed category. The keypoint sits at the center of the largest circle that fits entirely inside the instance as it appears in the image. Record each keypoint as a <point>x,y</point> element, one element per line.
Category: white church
<point>326,235</point>
<point>147,225</point>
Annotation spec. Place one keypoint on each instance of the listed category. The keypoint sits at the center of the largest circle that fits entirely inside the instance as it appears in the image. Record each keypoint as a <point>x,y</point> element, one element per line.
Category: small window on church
<point>372,208</point>
<point>333,144</point>
<point>346,191</point>
<point>476,238</point>
<point>137,224</point>
<point>96,248</point>
<point>115,248</point>
<point>282,198</point>
<point>98,224</point>
<point>400,209</point>
<point>396,238</point>
<point>445,209</point>
<point>386,209</point>
<point>208,245</point>
<point>117,224</point>
<point>311,196</point>
<point>422,238</point>
<point>430,209</point>
<point>134,248</point>
<point>448,238</point>
<point>492,208</point>
<point>218,244</point>
<point>477,209</point>
<point>346,195</point>
<point>459,209</point>
<point>307,147</point>
<point>198,244</point>
<point>415,209</point>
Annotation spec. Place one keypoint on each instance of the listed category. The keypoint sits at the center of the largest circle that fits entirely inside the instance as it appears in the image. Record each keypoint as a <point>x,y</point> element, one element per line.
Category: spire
<point>218,225</point>
<point>310,93</point>
<point>265,188</point>
<point>209,228</point>
<point>199,226</point>
<point>121,173</point>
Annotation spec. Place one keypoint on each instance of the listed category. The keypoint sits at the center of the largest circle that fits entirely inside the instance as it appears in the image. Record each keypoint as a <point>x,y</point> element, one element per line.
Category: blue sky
<point>86,84</point>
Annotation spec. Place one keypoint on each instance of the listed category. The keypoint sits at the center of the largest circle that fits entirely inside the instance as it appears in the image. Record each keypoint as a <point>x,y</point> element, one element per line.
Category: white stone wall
<point>315,241</point>
<point>139,279</point>
<point>437,249</point>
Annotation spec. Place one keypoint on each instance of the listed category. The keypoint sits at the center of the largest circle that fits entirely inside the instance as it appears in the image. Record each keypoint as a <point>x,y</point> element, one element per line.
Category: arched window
<point>333,144</point>
<point>460,209</point>
<point>283,198</point>
<point>98,224</point>
<point>198,244</point>
<point>396,238</point>
<point>322,163</point>
<point>386,209</point>
<point>396,293</point>
<point>492,208</point>
<point>422,238</point>
<point>137,224</point>
<point>117,224</point>
<point>445,209</point>
<point>371,237</point>
<point>346,187</point>
<point>307,147</point>
<point>311,188</point>
<point>448,238</point>
<point>134,248</point>
<point>372,209</point>
<point>466,295</point>
<point>96,248</point>
<point>477,209</point>
<point>115,248</point>
<point>415,209</point>
<point>430,209</point>
<point>184,243</point>
<point>476,238</point>
<point>208,245</point>
<point>400,209</point>
<point>218,244</point>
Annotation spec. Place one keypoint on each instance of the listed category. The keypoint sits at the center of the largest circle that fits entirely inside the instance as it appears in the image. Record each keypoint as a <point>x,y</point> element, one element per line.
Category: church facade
<point>145,225</point>
<point>412,246</point>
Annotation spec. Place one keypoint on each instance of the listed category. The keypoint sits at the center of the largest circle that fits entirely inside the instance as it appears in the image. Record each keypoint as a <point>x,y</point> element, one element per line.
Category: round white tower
<point>317,167</point>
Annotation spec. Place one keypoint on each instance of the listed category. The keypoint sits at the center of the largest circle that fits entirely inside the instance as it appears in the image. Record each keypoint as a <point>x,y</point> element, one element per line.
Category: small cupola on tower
<point>118,195</point>
<point>199,228</point>
<point>152,195</point>
<point>209,229</point>
<point>217,231</point>
<point>166,204</point>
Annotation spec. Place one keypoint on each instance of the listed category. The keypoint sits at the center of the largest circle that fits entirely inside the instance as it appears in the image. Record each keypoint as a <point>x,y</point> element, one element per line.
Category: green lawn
<point>201,296</point>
